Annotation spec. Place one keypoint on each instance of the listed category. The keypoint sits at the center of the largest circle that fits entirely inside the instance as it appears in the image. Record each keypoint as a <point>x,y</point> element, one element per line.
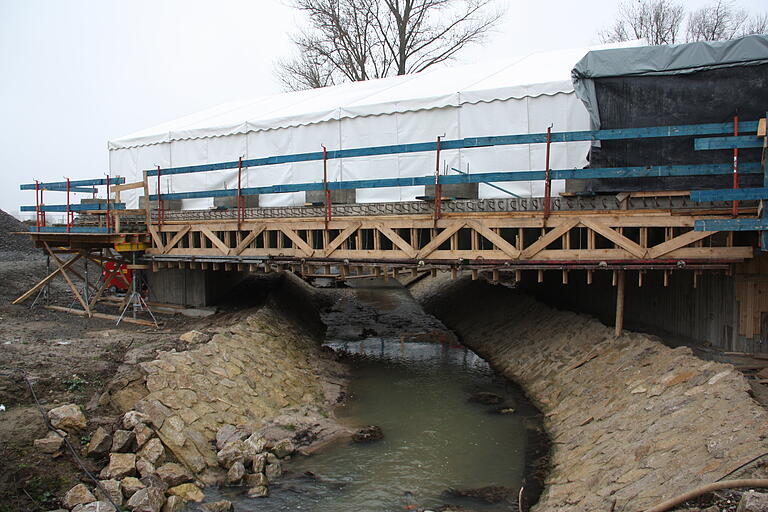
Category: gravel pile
<point>13,243</point>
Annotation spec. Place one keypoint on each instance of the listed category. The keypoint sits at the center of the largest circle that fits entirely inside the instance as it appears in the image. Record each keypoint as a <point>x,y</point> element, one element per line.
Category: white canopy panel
<point>518,95</point>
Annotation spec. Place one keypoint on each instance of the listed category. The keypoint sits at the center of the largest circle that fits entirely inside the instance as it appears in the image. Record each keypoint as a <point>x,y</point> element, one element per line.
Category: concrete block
<point>231,201</point>
<point>457,190</point>
<point>172,204</point>
<point>196,288</point>
<point>337,196</point>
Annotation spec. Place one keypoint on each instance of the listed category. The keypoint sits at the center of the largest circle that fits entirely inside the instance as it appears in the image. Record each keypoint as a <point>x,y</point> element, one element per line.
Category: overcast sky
<point>75,73</point>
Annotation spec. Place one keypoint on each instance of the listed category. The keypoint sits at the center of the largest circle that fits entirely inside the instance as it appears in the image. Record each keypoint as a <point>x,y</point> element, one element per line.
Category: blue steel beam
<point>73,207</point>
<point>63,229</point>
<point>74,183</point>
<point>746,141</point>
<point>558,174</point>
<point>731,225</point>
<point>82,190</point>
<point>472,142</point>
<point>730,194</point>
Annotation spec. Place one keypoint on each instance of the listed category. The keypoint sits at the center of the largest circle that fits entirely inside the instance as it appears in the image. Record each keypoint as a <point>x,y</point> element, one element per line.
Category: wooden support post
<point>495,276</point>
<point>640,275</point>
<point>454,273</point>
<point>589,276</point>
<point>666,278</point>
<point>614,279</point>
<point>620,303</point>
<point>474,274</point>
<point>540,276</point>
<point>565,277</point>
<point>518,275</point>
<point>433,272</point>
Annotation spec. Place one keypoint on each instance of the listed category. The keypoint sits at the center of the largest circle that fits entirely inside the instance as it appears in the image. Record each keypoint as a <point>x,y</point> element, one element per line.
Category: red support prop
<point>240,199</point>
<point>547,178</point>
<point>70,214</point>
<point>109,217</point>
<point>735,211</point>
<point>438,186</point>
<point>160,205</point>
<point>325,188</point>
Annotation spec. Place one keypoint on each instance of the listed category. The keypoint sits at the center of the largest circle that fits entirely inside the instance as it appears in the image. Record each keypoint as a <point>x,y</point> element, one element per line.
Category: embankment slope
<point>631,420</point>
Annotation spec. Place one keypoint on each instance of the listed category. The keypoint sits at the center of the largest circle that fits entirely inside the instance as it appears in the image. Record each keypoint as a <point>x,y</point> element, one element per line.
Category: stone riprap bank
<point>631,420</point>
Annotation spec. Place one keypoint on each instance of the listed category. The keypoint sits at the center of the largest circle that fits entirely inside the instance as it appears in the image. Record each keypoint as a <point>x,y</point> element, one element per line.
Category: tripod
<point>135,301</point>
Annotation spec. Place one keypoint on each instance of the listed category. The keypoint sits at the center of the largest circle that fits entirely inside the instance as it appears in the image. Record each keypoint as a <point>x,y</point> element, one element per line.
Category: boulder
<point>153,451</point>
<point>67,417</point>
<point>173,504</point>
<point>235,473</point>
<point>96,506</point>
<point>154,481</point>
<point>144,467</point>
<point>283,448</point>
<point>132,418</point>
<point>368,434</point>
<point>259,462</point>
<point>752,501</point>
<point>112,488</point>
<point>120,466</point>
<point>149,499</point>
<point>254,479</point>
<point>218,506</point>
<point>231,453</point>
<point>123,441</point>
<point>195,337</point>
<point>258,491</point>
<point>100,443</point>
<point>129,485</point>
<point>78,495</point>
<point>50,443</point>
<point>174,474</point>
<point>230,433</point>
<point>143,434</point>
<point>254,445</point>
<point>273,471</point>
<point>187,492</point>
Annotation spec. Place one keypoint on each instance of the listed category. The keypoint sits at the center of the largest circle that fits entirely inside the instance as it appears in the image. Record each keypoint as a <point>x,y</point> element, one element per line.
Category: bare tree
<point>756,24</point>
<point>656,21</point>
<point>716,22</point>
<point>352,40</point>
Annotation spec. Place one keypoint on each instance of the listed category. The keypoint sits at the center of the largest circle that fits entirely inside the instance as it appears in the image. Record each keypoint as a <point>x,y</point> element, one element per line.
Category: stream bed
<point>439,434</point>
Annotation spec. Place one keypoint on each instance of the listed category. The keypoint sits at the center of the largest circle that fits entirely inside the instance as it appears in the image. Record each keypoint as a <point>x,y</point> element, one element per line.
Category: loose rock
<point>230,433</point>
<point>284,448</point>
<point>231,453</point>
<point>195,337</point>
<point>259,491</point>
<point>120,466</point>
<point>254,479</point>
<point>149,499</point>
<point>67,417</point>
<point>143,434</point>
<point>129,485</point>
<point>187,492</point>
<point>235,473</point>
<point>274,470</point>
<point>50,443</point>
<point>174,474</point>
<point>123,441</point>
<point>218,506</point>
<point>368,434</point>
<point>259,462</point>
<point>100,443</point>
<point>153,451</point>
<point>144,467</point>
<point>753,501</point>
<point>96,506</point>
<point>132,418</point>
<point>254,445</point>
<point>173,504</point>
<point>77,495</point>
<point>112,488</point>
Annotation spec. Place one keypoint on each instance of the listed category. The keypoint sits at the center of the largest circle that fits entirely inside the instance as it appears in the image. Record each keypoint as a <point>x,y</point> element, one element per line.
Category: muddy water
<point>435,436</point>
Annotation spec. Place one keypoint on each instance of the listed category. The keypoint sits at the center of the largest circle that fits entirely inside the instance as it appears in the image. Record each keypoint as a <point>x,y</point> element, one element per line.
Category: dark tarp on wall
<point>691,83</point>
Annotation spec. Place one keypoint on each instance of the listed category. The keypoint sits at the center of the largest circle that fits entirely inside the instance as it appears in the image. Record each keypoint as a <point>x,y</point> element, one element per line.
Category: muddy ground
<point>67,359</point>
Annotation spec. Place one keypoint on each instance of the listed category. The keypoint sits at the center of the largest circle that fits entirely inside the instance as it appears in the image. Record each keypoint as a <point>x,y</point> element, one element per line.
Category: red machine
<point>120,280</point>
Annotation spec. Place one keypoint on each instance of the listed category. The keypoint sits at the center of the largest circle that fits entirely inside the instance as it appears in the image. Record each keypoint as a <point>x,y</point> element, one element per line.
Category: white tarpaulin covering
<point>516,96</point>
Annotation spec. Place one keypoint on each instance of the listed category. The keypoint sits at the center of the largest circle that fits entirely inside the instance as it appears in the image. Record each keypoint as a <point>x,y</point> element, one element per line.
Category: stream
<point>437,436</point>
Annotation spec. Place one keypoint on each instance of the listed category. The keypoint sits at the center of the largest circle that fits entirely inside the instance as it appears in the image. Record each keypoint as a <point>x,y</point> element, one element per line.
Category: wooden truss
<point>566,239</point>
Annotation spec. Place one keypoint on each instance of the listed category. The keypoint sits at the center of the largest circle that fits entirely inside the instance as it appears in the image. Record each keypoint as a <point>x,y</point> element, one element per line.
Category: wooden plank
<point>46,279</point>
<point>548,238</point>
<point>157,238</point>
<point>397,240</point>
<point>496,239</point>
<point>297,240</point>
<point>336,243</point>
<point>761,128</point>
<point>127,186</point>
<point>439,239</point>
<point>247,240</point>
<point>175,239</point>
<point>72,286</point>
<point>105,316</point>
<point>615,237</point>
<point>678,242</point>
<point>215,240</point>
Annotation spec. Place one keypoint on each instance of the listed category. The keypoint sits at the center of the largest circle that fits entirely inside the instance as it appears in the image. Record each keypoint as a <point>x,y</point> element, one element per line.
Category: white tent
<point>515,96</point>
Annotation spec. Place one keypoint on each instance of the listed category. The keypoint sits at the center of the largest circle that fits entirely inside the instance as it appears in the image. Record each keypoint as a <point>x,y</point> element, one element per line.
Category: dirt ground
<point>68,359</point>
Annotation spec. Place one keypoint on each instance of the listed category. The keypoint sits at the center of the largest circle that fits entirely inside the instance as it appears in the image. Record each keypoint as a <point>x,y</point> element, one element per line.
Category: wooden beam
<point>547,239</point>
<point>439,239</point>
<point>615,237</point>
<point>175,239</point>
<point>495,238</point>
<point>210,235</point>
<point>621,284</point>
<point>247,240</point>
<point>297,240</point>
<point>105,316</point>
<point>72,286</point>
<point>336,243</point>
<point>678,242</point>
<point>397,240</point>
<point>156,237</point>
<point>46,280</point>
